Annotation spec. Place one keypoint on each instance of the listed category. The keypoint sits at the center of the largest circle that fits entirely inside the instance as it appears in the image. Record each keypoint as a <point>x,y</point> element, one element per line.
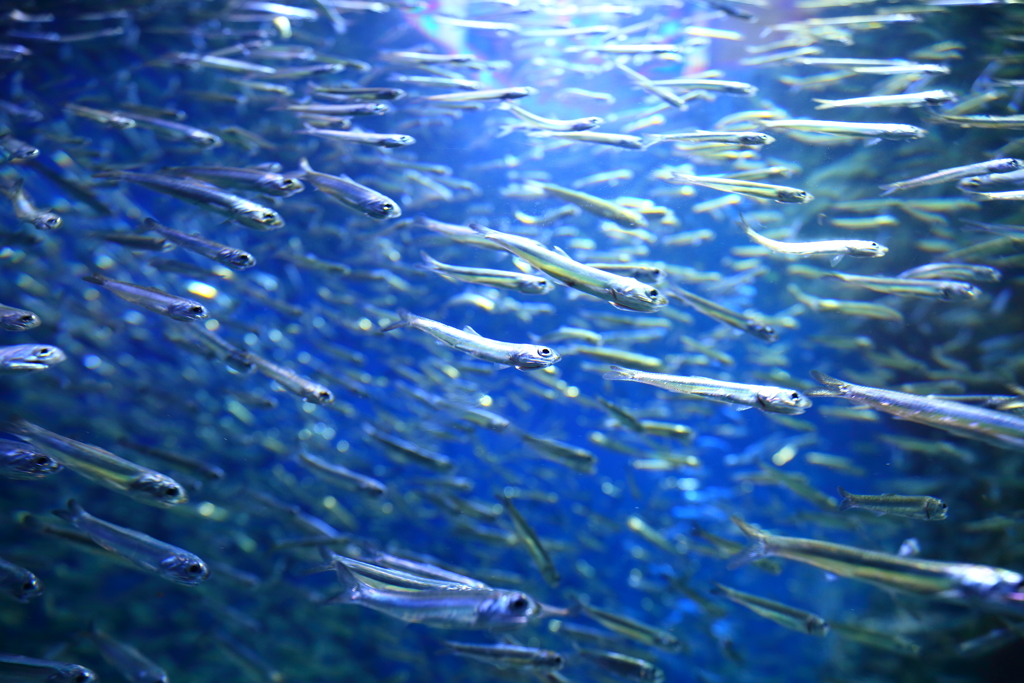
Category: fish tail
<point>758,548</point>
<point>824,104</point>
<point>830,383</point>
<point>888,189</point>
<point>847,501</point>
<point>304,165</point>
<point>96,279</point>
<point>352,585</point>
<point>405,319</point>
<point>73,512</point>
<point>619,373</point>
<point>16,424</point>
<point>651,140</point>
<point>429,261</point>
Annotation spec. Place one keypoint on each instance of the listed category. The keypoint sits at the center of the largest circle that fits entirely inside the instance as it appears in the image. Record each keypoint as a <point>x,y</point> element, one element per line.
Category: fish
<point>633,629</point>
<point>18,583</point>
<point>834,248</point>
<point>517,355</point>
<point>151,299</point>
<point>25,209</point>
<point>192,465</point>
<point>490,609</point>
<point>19,460</point>
<point>209,197</point>
<point>743,138</point>
<point>945,290</point>
<point>20,668</point>
<point>111,119</point>
<point>759,329</point>
<point>963,272</point>
<point>973,422</point>
<point>233,178</point>
<point>778,193</point>
<point>384,140</point>
<point>520,282</point>
<point>621,292</point>
<point>127,659</point>
<point>956,173</point>
<point>745,396</point>
<point>175,131</point>
<point>339,475</point>
<point>914,507</point>
<point>929,98</point>
<point>792,618</point>
<point>528,537</point>
<point>624,666</point>
<point>563,125</point>
<point>410,451</point>
<point>101,466</point>
<point>236,259</point>
<point>884,131</point>
<point>505,656</point>
<point>349,193</point>
<point>303,387</point>
<point>149,554</point>
<point>20,358</point>
<point>595,205</point>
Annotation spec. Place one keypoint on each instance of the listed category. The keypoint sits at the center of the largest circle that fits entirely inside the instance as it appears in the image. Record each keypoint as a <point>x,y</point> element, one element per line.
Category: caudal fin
<point>73,512</point>
<point>758,548</point>
<point>847,501</point>
<point>618,373</point>
<point>16,424</point>
<point>824,104</point>
<point>405,319</point>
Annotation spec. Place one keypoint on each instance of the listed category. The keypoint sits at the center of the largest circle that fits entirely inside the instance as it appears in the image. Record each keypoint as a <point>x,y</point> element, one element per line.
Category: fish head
<point>548,660</point>
<point>73,673</point>
<point>47,221</point>
<point>317,393</point>
<point>24,462</point>
<point>508,610</point>
<point>382,207</point>
<point>782,400</point>
<point>280,186</point>
<point>25,587</point>
<point>793,196</point>
<point>935,509</point>
<point>754,139</point>
<point>16,321</point>
<point>201,138</point>
<point>867,249</point>
<point>534,357</point>
<point>399,141</point>
<point>120,122</point>
<point>534,285</point>
<point>953,291</point>
<point>236,258</point>
<point>633,295</point>
<point>184,568</point>
<point>259,217</point>
<point>587,123</point>
<point>158,488</point>
<point>816,626</point>
<point>763,332</point>
<point>28,357</point>
<point>1006,165</point>
<point>186,310</point>
<point>373,488</point>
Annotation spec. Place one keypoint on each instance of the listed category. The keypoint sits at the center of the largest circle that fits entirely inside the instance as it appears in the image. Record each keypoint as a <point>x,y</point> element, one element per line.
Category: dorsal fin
<point>469,329</point>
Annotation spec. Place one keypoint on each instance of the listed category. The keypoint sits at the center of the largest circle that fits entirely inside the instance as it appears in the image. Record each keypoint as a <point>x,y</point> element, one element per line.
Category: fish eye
<point>387,206</point>
<point>652,293</point>
<point>519,602</point>
<point>42,460</point>
<point>82,677</point>
<point>172,491</point>
<point>44,351</point>
<point>29,585</point>
<point>194,568</point>
<point>196,310</point>
<point>544,351</point>
<point>795,396</point>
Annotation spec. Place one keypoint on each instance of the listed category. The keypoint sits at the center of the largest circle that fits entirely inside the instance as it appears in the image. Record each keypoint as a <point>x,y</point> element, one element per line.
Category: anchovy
<point>599,207</point>
<point>236,259</point>
<point>19,460</point>
<point>710,84</point>
<point>111,119</point>
<point>193,465</point>
<point>473,608</point>
<point>791,617</point>
<point>973,422</point>
<point>953,271</point>
<point>152,299</point>
<point>955,173</point>
<point>129,662</point>
<point>624,293</point>
<point>767,398</point>
<point>531,541</point>
<point>485,94</point>
<point>914,507</point>
<point>835,248</point>
<point>19,669</point>
<point>778,193</point>
<point>410,451</point>
<point>613,139</point>
<point>341,476</point>
<point>520,282</point>
<point>354,109</point>
<point>25,209</point>
<point>175,130</point>
<point>101,466</point>
<point>745,138</point>
<point>564,125</point>
<point>519,356</point>
<point>914,99</point>
<point>305,388</point>
<point>624,666</point>
<point>20,358</point>
<point>252,179</point>
<point>346,191</point>
<point>248,213</point>
<point>506,656</point>
<point>386,140</point>
<point>147,553</point>
<point>726,315</point>
<point>886,131</point>
<point>19,583</point>
<point>947,290</point>
<point>633,629</point>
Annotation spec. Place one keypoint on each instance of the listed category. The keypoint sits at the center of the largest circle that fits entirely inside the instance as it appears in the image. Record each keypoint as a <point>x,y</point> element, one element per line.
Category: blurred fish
<point>17,668</point>
<point>19,460</point>
<point>151,299</point>
<point>504,656</point>
<point>21,358</point>
<point>914,507</point>
<point>129,662</point>
<point>19,583</point>
<point>784,615</point>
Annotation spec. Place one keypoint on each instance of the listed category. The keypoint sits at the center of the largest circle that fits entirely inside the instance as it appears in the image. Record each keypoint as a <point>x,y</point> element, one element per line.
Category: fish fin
<point>621,307</point>
<point>405,319</point>
<point>96,279</point>
<point>757,550</point>
<point>823,379</point>
<point>888,189</point>
<point>872,142</point>
<point>559,250</point>
<point>617,372</point>
<point>834,261</point>
<point>304,165</point>
<point>824,104</point>
<point>847,502</point>
<point>349,581</point>
<point>470,330</point>
<point>73,512</point>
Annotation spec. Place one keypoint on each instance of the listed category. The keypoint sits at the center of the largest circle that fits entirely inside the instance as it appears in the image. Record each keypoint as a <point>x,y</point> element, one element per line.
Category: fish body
<point>348,192</point>
<point>341,476</point>
<point>914,507</point>
<point>785,615</point>
<point>778,193</point>
<point>386,140</point>
<point>251,179</point>
<point>151,299</point>
<point>885,131</point>
<point>633,629</point>
<point>129,662</point>
<point>102,466</point>
<point>18,582</point>
<point>236,259</point>
<point>973,422</point>
<point>624,666</point>
<point>519,356</point>
<point>520,282</point>
<point>25,209</point>
<point>531,541</point>
<point>20,358</point>
<point>147,553</point>
<point>946,290</point>
<point>767,398</point>
<point>504,656</point>
<point>19,460</point>
<point>19,669</point>
<point>563,125</point>
<point>725,315</point>
<point>595,205</point>
<point>916,99</point>
<point>303,387</point>
<point>955,173</point>
<point>834,248</point>
<point>622,292</point>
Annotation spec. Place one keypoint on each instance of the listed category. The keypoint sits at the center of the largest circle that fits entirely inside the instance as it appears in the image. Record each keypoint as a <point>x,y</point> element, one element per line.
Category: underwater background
<point>281,434</point>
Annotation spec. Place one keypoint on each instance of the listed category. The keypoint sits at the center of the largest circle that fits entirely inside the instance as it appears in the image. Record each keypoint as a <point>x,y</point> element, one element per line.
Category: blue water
<point>131,374</point>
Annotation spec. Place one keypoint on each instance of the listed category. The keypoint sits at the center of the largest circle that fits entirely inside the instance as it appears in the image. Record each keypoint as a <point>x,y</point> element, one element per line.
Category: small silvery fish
<point>18,582</point>
<point>642,272</point>
<point>101,466</point>
<point>19,669</point>
<point>386,140</point>
<point>624,666</point>
<point>25,209</point>
<point>597,137</point>
<point>564,125</point>
<point>339,475</point>
<point>175,131</point>
<point>484,94</point>
<point>305,388</point>
<point>633,629</point>
<point>518,356</point>
<point>129,662</point>
<point>488,277</point>
<point>834,248</point>
<point>469,608</point>
<point>885,131</point>
<point>725,315</point>
<point>504,656</point>
<point>145,552</point>
<point>791,617</point>
<point>111,119</point>
<point>744,138</point>
<point>946,290</point>
<point>914,507</point>
<point>621,215</point>
<point>236,259</point>
<point>956,173</point>
<point>17,319</point>
<point>965,272</point>
<point>29,358</point>
<point>531,541</point>
<point>778,193</point>
<point>252,179</point>
<point>408,451</point>
<point>624,293</point>
<point>19,460</point>
<point>915,99</point>
<point>767,398</point>
<point>152,299</point>
<point>348,192</point>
